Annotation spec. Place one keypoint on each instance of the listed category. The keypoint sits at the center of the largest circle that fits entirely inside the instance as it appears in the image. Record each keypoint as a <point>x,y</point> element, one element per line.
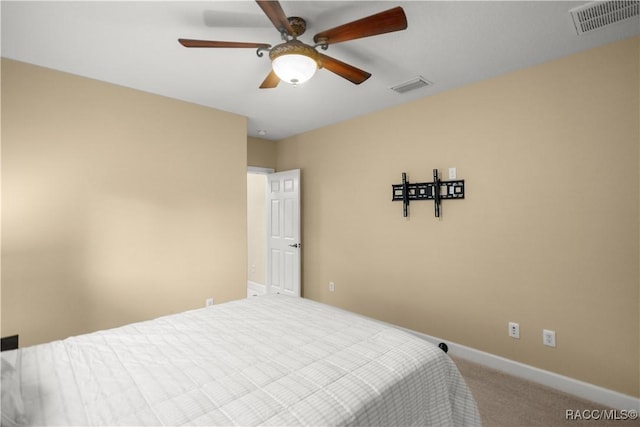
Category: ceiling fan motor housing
<point>293,47</point>
<point>298,25</point>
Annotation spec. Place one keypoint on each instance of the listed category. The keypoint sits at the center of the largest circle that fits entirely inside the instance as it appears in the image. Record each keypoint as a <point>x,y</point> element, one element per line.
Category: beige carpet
<point>507,401</point>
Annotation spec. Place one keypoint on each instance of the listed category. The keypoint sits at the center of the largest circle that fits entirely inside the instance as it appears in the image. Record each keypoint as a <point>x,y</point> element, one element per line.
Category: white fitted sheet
<point>272,360</point>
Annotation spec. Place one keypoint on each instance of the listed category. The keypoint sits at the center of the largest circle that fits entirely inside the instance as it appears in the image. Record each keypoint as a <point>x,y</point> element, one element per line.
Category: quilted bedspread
<point>272,360</point>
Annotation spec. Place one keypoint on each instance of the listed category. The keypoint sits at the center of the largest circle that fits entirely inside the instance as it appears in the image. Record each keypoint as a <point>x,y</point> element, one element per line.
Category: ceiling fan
<point>296,62</point>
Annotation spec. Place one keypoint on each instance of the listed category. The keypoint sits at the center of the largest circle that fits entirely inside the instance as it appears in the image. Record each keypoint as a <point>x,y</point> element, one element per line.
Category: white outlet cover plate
<point>549,337</point>
<point>514,330</point>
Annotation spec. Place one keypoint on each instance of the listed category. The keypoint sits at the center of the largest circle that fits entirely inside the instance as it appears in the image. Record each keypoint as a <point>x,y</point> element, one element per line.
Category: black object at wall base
<point>9,343</point>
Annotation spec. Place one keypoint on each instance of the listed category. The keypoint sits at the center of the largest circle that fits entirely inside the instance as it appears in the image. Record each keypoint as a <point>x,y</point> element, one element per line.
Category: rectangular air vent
<point>412,84</point>
<point>595,15</point>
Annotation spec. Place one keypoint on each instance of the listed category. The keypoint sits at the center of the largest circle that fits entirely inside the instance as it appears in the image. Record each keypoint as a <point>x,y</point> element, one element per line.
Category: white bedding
<point>272,360</point>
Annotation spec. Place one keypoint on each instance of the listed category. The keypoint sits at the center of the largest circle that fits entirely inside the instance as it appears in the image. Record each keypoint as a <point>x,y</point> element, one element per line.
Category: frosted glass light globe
<point>294,68</point>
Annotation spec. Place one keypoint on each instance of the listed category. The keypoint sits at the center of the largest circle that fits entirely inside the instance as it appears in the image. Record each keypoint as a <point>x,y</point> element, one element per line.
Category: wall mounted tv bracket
<point>436,191</point>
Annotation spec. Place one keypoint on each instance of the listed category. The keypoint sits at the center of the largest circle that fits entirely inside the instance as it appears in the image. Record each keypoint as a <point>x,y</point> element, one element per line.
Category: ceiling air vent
<point>412,84</point>
<point>599,14</point>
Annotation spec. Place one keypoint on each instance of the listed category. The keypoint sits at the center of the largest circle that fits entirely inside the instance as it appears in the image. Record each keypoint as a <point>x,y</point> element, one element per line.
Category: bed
<point>269,360</point>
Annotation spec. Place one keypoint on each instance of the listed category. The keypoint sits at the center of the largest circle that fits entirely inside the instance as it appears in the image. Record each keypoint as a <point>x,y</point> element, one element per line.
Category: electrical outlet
<point>514,330</point>
<point>332,287</point>
<point>549,337</point>
<point>208,302</point>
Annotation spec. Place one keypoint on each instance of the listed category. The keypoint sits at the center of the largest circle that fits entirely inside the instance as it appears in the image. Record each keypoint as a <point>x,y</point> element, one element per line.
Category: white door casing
<point>283,233</point>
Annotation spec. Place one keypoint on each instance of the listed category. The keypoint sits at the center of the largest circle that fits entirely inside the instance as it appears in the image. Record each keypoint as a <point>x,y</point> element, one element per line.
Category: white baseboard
<point>594,393</point>
<point>254,288</point>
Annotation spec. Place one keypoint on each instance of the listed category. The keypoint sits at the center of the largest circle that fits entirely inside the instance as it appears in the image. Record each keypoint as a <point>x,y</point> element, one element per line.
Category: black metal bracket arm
<point>437,190</point>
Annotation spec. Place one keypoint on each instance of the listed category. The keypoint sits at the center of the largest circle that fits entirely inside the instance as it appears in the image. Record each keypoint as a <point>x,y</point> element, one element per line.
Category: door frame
<point>267,285</point>
<point>260,288</point>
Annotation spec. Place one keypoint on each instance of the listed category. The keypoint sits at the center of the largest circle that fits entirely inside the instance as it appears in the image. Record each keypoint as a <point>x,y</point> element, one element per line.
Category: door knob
<point>296,245</point>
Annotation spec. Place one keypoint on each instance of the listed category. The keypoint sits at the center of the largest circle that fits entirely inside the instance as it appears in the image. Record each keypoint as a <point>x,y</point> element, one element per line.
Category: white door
<point>283,233</point>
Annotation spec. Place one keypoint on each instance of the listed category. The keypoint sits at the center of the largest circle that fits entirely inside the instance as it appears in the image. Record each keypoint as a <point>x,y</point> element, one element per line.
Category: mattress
<point>270,360</point>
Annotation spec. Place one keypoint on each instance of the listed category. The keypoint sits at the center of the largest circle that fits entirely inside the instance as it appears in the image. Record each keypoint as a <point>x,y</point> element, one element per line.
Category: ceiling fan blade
<point>353,74</point>
<point>271,81</point>
<point>274,12</point>
<point>212,43</point>
<point>384,22</point>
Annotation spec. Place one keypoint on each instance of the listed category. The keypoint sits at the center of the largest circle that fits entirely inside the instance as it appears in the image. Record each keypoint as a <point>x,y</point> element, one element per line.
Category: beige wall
<point>117,205</point>
<point>547,236</point>
<point>261,153</point>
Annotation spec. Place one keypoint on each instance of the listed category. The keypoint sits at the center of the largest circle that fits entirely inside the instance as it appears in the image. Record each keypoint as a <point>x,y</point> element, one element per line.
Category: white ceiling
<point>134,44</point>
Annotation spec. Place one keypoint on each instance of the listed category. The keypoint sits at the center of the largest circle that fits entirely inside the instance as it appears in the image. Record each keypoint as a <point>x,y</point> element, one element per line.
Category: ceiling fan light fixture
<point>294,62</point>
